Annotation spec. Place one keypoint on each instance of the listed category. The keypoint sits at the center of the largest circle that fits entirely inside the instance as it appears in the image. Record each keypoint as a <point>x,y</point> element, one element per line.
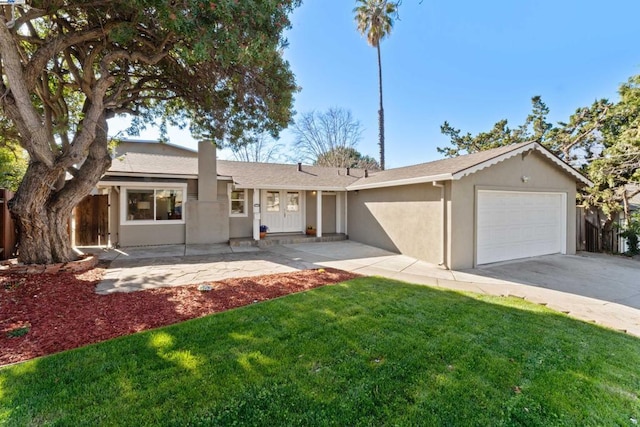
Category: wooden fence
<point>7,227</point>
<point>591,236</point>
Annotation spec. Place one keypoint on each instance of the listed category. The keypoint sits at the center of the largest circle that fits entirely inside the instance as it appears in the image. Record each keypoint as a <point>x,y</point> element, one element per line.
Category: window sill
<point>152,222</point>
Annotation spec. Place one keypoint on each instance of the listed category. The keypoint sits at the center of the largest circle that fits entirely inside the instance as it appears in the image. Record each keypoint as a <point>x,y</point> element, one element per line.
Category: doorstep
<point>286,239</point>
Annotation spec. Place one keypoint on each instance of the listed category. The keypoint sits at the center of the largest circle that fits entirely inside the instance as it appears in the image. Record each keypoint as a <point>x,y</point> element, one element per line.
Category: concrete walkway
<point>150,267</point>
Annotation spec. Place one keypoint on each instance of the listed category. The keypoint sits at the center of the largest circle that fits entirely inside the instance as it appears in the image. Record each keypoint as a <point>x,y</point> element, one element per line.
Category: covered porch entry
<point>297,210</point>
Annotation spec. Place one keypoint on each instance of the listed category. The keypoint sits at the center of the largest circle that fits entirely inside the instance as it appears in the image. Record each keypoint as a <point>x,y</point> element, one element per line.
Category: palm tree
<point>375,20</point>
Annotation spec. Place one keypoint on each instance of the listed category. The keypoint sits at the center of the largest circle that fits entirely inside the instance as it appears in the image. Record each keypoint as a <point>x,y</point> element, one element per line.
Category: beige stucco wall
<point>151,234</point>
<point>207,218</point>
<point>208,221</point>
<point>507,175</point>
<point>328,213</point>
<point>243,226</point>
<point>329,219</point>
<point>405,219</point>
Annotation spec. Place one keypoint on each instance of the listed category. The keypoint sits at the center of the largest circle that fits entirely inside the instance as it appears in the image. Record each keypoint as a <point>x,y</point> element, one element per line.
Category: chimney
<point>207,172</point>
<point>299,167</point>
<point>347,171</point>
<point>366,173</point>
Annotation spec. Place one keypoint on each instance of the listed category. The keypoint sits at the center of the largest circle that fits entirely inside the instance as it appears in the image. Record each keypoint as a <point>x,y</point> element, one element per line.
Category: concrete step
<point>285,239</point>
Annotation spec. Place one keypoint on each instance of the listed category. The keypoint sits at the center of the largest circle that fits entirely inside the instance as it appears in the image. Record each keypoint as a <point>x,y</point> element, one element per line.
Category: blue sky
<point>470,63</point>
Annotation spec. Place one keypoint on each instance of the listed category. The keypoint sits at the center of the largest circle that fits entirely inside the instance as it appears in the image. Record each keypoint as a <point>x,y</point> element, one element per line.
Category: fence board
<point>7,227</point>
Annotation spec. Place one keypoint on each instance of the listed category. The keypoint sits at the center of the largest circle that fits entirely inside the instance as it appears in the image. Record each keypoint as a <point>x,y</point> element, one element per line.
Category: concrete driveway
<point>604,277</point>
<point>592,287</point>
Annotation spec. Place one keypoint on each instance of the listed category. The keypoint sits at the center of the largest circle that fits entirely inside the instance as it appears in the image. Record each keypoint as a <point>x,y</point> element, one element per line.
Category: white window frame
<point>230,189</point>
<point>156,186</point>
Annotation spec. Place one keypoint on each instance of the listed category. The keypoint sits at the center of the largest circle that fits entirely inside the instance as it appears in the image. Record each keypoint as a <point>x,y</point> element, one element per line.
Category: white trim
<point>256,214</point>
<point>528,147</point>
<point>319,213</point>
<point>292,188</point>
<point>150,175</point>
<point>397,182</point>
<point>346,213</point>
<point>140,184</point>
<point>338,213</point>
<point>153,186</point>
<point>361,184</point>
<point>245,212</point>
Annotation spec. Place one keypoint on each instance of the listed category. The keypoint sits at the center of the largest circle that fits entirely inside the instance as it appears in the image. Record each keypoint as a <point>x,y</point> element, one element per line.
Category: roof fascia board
<point>286,187</point>
<point>141,184</point>
<point>150,175</point>
<point>398,182</point>
<point>533,146</point>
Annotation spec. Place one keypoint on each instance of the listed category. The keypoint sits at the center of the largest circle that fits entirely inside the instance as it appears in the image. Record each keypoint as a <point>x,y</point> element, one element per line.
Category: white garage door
<point>513,225</point>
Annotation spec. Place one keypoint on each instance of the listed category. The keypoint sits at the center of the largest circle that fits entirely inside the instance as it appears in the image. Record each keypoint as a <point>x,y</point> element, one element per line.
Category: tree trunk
<point>380,111</point>
<point>44,201</point>
<point>36,222</point>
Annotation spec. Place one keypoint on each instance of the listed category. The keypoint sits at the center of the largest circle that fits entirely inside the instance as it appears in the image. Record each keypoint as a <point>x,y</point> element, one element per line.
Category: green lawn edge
<point>371,351</point>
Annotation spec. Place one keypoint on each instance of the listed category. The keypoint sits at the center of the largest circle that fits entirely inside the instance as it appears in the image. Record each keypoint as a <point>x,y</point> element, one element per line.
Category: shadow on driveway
<point>605,277</point>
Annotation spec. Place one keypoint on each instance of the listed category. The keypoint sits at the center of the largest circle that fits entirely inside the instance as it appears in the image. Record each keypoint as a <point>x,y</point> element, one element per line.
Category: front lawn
<point>369,351</point>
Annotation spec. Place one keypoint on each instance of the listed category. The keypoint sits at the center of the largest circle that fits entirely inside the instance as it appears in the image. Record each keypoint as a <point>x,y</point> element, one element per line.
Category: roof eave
<point>398,182</point>
<point>290,187</point>
<point>150,175</point>
<point>532,146</point>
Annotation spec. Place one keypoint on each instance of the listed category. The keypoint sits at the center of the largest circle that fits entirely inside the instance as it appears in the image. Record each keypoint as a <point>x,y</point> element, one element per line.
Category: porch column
<point>256,214</point>
<point>346,213</point>
<point>339,212</point>
<point>319,213</point>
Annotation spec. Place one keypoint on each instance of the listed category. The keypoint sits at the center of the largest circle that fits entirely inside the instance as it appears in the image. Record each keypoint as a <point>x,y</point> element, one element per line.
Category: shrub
<point>631,232</point>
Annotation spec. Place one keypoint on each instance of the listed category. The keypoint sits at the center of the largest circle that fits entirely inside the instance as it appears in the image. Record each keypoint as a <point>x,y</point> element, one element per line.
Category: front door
<point>282,211</point>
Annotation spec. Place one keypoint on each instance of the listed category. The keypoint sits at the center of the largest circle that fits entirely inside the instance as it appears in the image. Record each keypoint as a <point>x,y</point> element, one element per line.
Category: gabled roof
<point>244,174</point>
<point>281,176</point>
<point>457,167</point>
<point>154,165</point>
<point>287,176</point>
<point>153,147</point>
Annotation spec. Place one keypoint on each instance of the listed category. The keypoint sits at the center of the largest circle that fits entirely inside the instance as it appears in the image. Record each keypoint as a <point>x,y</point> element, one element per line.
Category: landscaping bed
<point>46,313</point>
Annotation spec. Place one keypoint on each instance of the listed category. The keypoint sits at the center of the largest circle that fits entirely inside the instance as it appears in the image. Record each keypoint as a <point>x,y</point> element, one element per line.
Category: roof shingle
<point>287,176</point>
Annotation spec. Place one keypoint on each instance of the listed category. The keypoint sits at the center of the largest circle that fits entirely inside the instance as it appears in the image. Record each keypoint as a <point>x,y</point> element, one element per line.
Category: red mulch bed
<point>62,311</point>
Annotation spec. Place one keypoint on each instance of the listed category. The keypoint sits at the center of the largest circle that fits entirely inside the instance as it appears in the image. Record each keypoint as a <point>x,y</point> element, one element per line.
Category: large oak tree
<point>70,65</point>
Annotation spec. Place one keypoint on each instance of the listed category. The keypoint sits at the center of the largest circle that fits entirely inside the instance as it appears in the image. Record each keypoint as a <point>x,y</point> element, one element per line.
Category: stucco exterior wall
<point>328,213</point>
<point>152,234</point>
<point>243,226</point>
<point>542,175</point>
<point>329,220</point>
<point>208,221</point>
<point>310,209</point>
<point>405,219</point>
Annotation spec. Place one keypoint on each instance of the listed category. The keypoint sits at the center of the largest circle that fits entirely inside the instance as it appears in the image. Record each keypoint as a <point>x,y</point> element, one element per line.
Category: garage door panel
<point>511,225</point>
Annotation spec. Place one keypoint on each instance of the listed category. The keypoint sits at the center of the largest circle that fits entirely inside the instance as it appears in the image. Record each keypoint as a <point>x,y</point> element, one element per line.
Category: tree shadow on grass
<point>369,351</point>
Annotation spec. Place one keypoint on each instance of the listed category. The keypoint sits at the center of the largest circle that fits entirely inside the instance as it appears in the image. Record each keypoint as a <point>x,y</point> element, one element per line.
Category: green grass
<point>367,352</point>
